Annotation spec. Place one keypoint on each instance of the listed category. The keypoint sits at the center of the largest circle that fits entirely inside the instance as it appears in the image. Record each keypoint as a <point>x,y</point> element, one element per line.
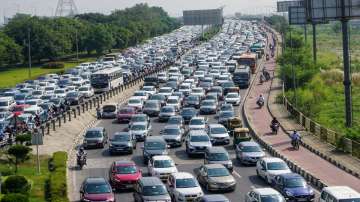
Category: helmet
<point>81,149</point>
<point>295,131</point>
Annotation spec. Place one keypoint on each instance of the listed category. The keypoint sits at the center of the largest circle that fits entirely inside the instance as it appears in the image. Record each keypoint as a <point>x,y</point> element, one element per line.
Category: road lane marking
<point>237,174</point>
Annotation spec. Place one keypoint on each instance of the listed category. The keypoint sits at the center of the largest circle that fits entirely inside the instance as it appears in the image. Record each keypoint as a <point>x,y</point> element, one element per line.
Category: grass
<point>28,169</point>
<point>12,76</point>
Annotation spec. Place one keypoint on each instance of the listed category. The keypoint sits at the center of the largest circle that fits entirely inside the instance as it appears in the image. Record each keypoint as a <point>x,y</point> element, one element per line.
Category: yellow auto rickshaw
<point>241,135</point>
<point>234,123</point>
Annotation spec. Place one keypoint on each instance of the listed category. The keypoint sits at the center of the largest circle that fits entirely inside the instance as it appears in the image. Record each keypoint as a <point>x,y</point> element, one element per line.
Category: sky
<point>173,7</point>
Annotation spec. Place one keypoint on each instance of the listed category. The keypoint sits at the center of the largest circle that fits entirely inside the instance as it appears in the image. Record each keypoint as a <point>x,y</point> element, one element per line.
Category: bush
<point>57,182</point>
<point>15,198</point>
<point>23,138</point>
<point>59,159</point>
<point>6,171</point>
<point>54,65</point>
<point>16,184</point>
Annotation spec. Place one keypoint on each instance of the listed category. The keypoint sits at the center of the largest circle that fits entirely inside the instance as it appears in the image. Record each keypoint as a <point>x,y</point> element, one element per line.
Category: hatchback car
<point>293,187</point>
<point>109,110</point>
<point>96,189</point>
<point>249,152</point>
<point>225,116</point>
<point>95,137</point>
<point>152,108</point>
<point>197,123</point>
<point>161,166</point>
<point>197,141</point>
<point>122,142</point>
<point>208,107</point>
<point>268,167</point>
<point>264,195</point>
<point>218,155</point>
<point>124,174</point>
<point>233,98</point>
<point>188,113</point>
<point>151,189</point>
<point>215,177</point>
<point>192,101</point>
<point>183,186</point>
<point>140,130</point>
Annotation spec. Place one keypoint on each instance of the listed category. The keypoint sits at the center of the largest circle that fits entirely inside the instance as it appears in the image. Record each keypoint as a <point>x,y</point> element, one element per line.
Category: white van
<point>339,194</point>
<point>7,104</point>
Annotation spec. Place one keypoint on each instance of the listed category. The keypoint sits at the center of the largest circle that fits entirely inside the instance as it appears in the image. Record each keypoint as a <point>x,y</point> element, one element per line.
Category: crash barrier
<point>324,134</point>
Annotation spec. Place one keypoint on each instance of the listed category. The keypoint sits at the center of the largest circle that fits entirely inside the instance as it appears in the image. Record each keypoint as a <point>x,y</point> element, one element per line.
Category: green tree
<point>99,39</point>
<point>15,198</point>
<point>10,52</point>
<point>18,154</point>
<point>16,184</point>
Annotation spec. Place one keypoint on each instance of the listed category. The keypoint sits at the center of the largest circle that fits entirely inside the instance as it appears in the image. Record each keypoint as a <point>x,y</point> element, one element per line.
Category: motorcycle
<point>295,144</point>
<point>274,128</point>
<point>261,79</point>
<point>81,161</point>
<point>260,103</point>
<point>267,57</point>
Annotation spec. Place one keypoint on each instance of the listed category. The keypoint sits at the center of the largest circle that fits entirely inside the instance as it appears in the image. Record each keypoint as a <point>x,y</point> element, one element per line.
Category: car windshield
<point>126,110</point>
<point>20,97</point>
<point>172,101</point>
<point>57,92</point>
<point>186,183</point>
<point>154,190</point>
<point>218,172</point>
<point>3,104</point>
<point>295,182</point>
<point>197,122</point>
<point>138,119</point>
<point>157,97</point>
<point>155,146</point>
<point>272,198</point>
<point>37,93</point>
<point>93,134</point>
<point>218,157</point>
<point>151,105</point>
<point>138,127</point>
<point>276,166</point>
<point>167,109</point>
<point>165,90</point>
<point>193,98</point>
<point>83,89</point>
<point>199,138</point>
<point>134,101</point>
<point>250,149</point>
<point>197,91</point>
<point>130,169</point>
<point>188,111</point>
<point>72,94</point>
<point>139,94</point>
<point>232,96</point>
<point>219,130</point>
<point>227,114</point>
<point>163,164</point>
<point>109,108</point>
<point>121,138</point>
<point>97,188</point>
<point>226,108</point>
<point>174,120</point>
<point>171,131</point>
<point>350,200</point>
<point>208,103</point>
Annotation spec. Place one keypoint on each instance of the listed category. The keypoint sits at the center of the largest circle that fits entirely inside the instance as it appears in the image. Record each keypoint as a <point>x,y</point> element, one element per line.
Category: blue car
<point>293,187</point>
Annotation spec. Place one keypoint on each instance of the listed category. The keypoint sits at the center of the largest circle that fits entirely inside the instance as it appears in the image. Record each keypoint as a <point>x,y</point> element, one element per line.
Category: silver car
<point>140,130</point>
<point>197,141</point>
<point>173,135</point>
<point>249,152</point>
<point>166,112</point>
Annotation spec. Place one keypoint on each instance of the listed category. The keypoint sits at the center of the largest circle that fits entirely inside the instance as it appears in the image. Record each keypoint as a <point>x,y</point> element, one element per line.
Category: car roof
<point>150,181</point>
<point>182,175</point>
<point>265,191</point>
<point>95,180</point>
<point>290,175</point>
<point>172,126</point>
<point>215,165</point>
<point>96,129</point>
<point>342,192</point>
<point>124,163</point>
<point>161,157</point>
<point>214,198</point>
<point>197,133</point>
<point>272,159</point>
<point>216,125</point>
<point>216,150</point>
<point>249,143</point>
<point>154,138</point>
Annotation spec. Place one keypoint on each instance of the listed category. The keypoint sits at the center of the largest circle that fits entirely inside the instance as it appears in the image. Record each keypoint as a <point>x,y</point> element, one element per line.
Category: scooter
<point>260,103</point>
<point>274,128</point>
<point>81,161</point>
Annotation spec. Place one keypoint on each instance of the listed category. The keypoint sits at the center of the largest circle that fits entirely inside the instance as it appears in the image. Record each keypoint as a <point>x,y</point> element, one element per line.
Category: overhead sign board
<point>324,10</point>
<point>297,15</point>
<point>283,6</point>
<point>203,17</point>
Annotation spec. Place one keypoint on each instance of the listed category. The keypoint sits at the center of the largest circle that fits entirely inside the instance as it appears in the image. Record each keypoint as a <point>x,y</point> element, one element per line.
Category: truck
<point>248,59</point>
<point>242,76</point>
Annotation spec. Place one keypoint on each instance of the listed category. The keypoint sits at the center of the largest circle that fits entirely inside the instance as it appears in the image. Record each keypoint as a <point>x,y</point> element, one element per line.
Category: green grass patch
<point>12,76</point>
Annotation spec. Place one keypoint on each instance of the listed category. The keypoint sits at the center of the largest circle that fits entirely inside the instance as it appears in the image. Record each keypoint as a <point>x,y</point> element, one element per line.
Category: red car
<point>125,113</point>
<point>96,189</point>
<point>19,109</point>
<point>124,174</point>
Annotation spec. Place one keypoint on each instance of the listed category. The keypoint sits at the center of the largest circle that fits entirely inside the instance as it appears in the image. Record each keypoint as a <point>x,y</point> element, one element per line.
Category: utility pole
<point>29,52</point>
<point>77,44</point>
<point>293,70</point>
<point>314,42</point>
<point>305,33</point>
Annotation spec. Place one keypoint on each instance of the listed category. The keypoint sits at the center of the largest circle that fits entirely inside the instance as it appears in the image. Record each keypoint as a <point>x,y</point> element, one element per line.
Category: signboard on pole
<point>283,6</point>
<point>37,138</point>
<point>203,17</point>
<point>297,15</point>
<point>321,10</point>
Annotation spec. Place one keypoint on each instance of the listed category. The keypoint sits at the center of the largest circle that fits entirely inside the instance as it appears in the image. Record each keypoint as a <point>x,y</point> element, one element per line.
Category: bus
<point>106,79</point>
<point>248,59</point>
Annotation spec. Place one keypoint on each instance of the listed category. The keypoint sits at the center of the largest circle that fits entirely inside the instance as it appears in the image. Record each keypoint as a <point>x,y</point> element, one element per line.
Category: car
<point>268,167</point>
<point>150,90</point>
<point>218,134</point>
<point>19,109</point>
<point>188,113</point>
<point>166,91</point>
<point>174,101</point>
<point>226,107</point>
<point>86,91</point>
<point>208,107</point>
<point>249,152</point>
<point>124,174</point>
<point>151,189</point>
<point>264,195</point>
<point>154,145</point>
<point>183,186</point>
<point>218,155</point>
<point>96,189</point>
<point>215,177</point>
<point>212,198</point>
<point>20,98</point>
<point>95,137</point>
<point>136,103</point>
<point>176,120</point>
<point>162,77</point>
<point>109,110</point>
<point>125,114</point>
<point>140,118</point>
<point>140,94</point>
<point>122,142</point>
<point>161,166</point>
<point>339,193</point>
<point>73,98</point>
<point>233,98</point>
<point>197,141</point>
<point>198,92</point>
<point>166,112</point>
<point>293,187</point>
<point>140,130</point>
<point>152,108</point>
<point>197,123</point>
<point>225,116</point>
<point>192,101</point>
<point>173,135</point>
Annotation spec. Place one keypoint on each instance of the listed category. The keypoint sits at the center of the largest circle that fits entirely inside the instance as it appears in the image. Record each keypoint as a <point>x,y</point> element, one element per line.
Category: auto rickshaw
<point>234,123</point>
<point>241,135</point>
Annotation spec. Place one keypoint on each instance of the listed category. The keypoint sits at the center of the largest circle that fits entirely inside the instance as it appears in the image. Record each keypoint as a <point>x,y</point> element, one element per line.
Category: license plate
<point>302,199</point>
<point>129,186</point>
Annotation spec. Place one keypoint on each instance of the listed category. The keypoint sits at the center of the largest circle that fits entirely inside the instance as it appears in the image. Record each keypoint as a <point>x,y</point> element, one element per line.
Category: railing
<point>324,134</point>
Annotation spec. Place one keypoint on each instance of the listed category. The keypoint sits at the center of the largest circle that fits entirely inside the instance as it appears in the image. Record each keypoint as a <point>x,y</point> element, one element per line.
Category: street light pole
<point>29,52</point>
<point>77,44</point>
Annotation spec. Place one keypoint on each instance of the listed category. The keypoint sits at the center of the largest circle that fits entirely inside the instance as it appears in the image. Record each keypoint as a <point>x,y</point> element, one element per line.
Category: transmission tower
<point>66,8</point>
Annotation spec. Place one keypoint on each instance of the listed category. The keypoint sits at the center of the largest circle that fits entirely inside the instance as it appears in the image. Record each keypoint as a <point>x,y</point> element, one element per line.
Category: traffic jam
<point>180,137</point>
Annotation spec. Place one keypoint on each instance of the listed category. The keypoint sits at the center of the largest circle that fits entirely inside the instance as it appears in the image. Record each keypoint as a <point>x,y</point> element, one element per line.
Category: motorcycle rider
<point>274,122</point>
<point>260,100</point>
<point>81,156</point>
<point>295,138</point>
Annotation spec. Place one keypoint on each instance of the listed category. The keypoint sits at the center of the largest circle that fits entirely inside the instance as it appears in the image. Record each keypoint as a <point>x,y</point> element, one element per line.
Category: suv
<point>96,189</point>
<point>173,135</point>
<point>214,155</point>
<point>218,134</point>
<point>95,137</point>
<point>197,141</point>
<point>152,108</point>
<point>150,189</point>
<point>122,142</point>
<point>154,145</point>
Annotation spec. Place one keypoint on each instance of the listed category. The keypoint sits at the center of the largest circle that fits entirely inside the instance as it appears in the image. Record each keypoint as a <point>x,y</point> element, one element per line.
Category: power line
<point>66,8</point>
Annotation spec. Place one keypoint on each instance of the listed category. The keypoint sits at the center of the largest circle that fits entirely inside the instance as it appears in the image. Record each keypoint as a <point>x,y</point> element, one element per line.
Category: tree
<point>10,52</point>
<point>15,198</point>
<point>19,154</point>
<point>16,184</point>
<point>99,39</point>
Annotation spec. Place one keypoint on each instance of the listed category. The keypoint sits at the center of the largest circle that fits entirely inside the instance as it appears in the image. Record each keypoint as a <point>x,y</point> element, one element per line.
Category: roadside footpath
<point>308,161</point>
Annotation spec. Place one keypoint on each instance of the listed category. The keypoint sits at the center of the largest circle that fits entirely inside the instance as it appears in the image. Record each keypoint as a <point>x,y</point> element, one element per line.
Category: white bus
<point>106,79</point>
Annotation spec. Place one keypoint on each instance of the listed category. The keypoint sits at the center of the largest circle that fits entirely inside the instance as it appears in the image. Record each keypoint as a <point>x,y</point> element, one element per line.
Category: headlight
<point>230,163</point>
<point>191,147</point>
<point>288,193</point>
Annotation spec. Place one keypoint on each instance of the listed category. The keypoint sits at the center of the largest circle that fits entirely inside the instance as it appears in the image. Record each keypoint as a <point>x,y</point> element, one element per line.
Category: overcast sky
<point>173,7</point>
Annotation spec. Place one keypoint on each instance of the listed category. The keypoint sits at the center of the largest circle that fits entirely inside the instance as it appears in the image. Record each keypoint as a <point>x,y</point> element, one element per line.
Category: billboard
<point>297,15</point>
<point>203,17</point>
<point>321,10</point>
<point>283,6</point>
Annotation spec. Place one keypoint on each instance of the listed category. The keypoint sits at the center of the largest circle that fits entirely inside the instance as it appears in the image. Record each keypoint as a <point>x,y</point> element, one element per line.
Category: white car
<point>199,74</point>
<point>141,94</point>
<point>167,91</point>
<point>197,123</point>
<point>151,90</point>
<point>268,167</point>
<point>233,98</point>
<point>183,186</point>
<point>162,77</point>
<point>136,103</point>
<point>198,92</point>
<point>86,91</point>
<point>174,101</point>
<point>218,134</point>
<point>60,92</point>
<point>161,166</point>
<point>264,195</point>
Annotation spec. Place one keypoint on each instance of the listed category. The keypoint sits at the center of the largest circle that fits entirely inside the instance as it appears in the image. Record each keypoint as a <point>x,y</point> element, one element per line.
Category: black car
<point>74,98</point>
<point>122,142</point>
<point>188,113</point>
<point>154,145</point>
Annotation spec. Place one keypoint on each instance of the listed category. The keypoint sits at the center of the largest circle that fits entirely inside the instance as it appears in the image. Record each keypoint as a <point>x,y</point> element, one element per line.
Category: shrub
<point>57,182</point>
<point>59,159</point>
<point>23,138</point>
<point>6,171</point>
<point>15,198</point>
<point>16,184</point>
<point>54,65</point>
